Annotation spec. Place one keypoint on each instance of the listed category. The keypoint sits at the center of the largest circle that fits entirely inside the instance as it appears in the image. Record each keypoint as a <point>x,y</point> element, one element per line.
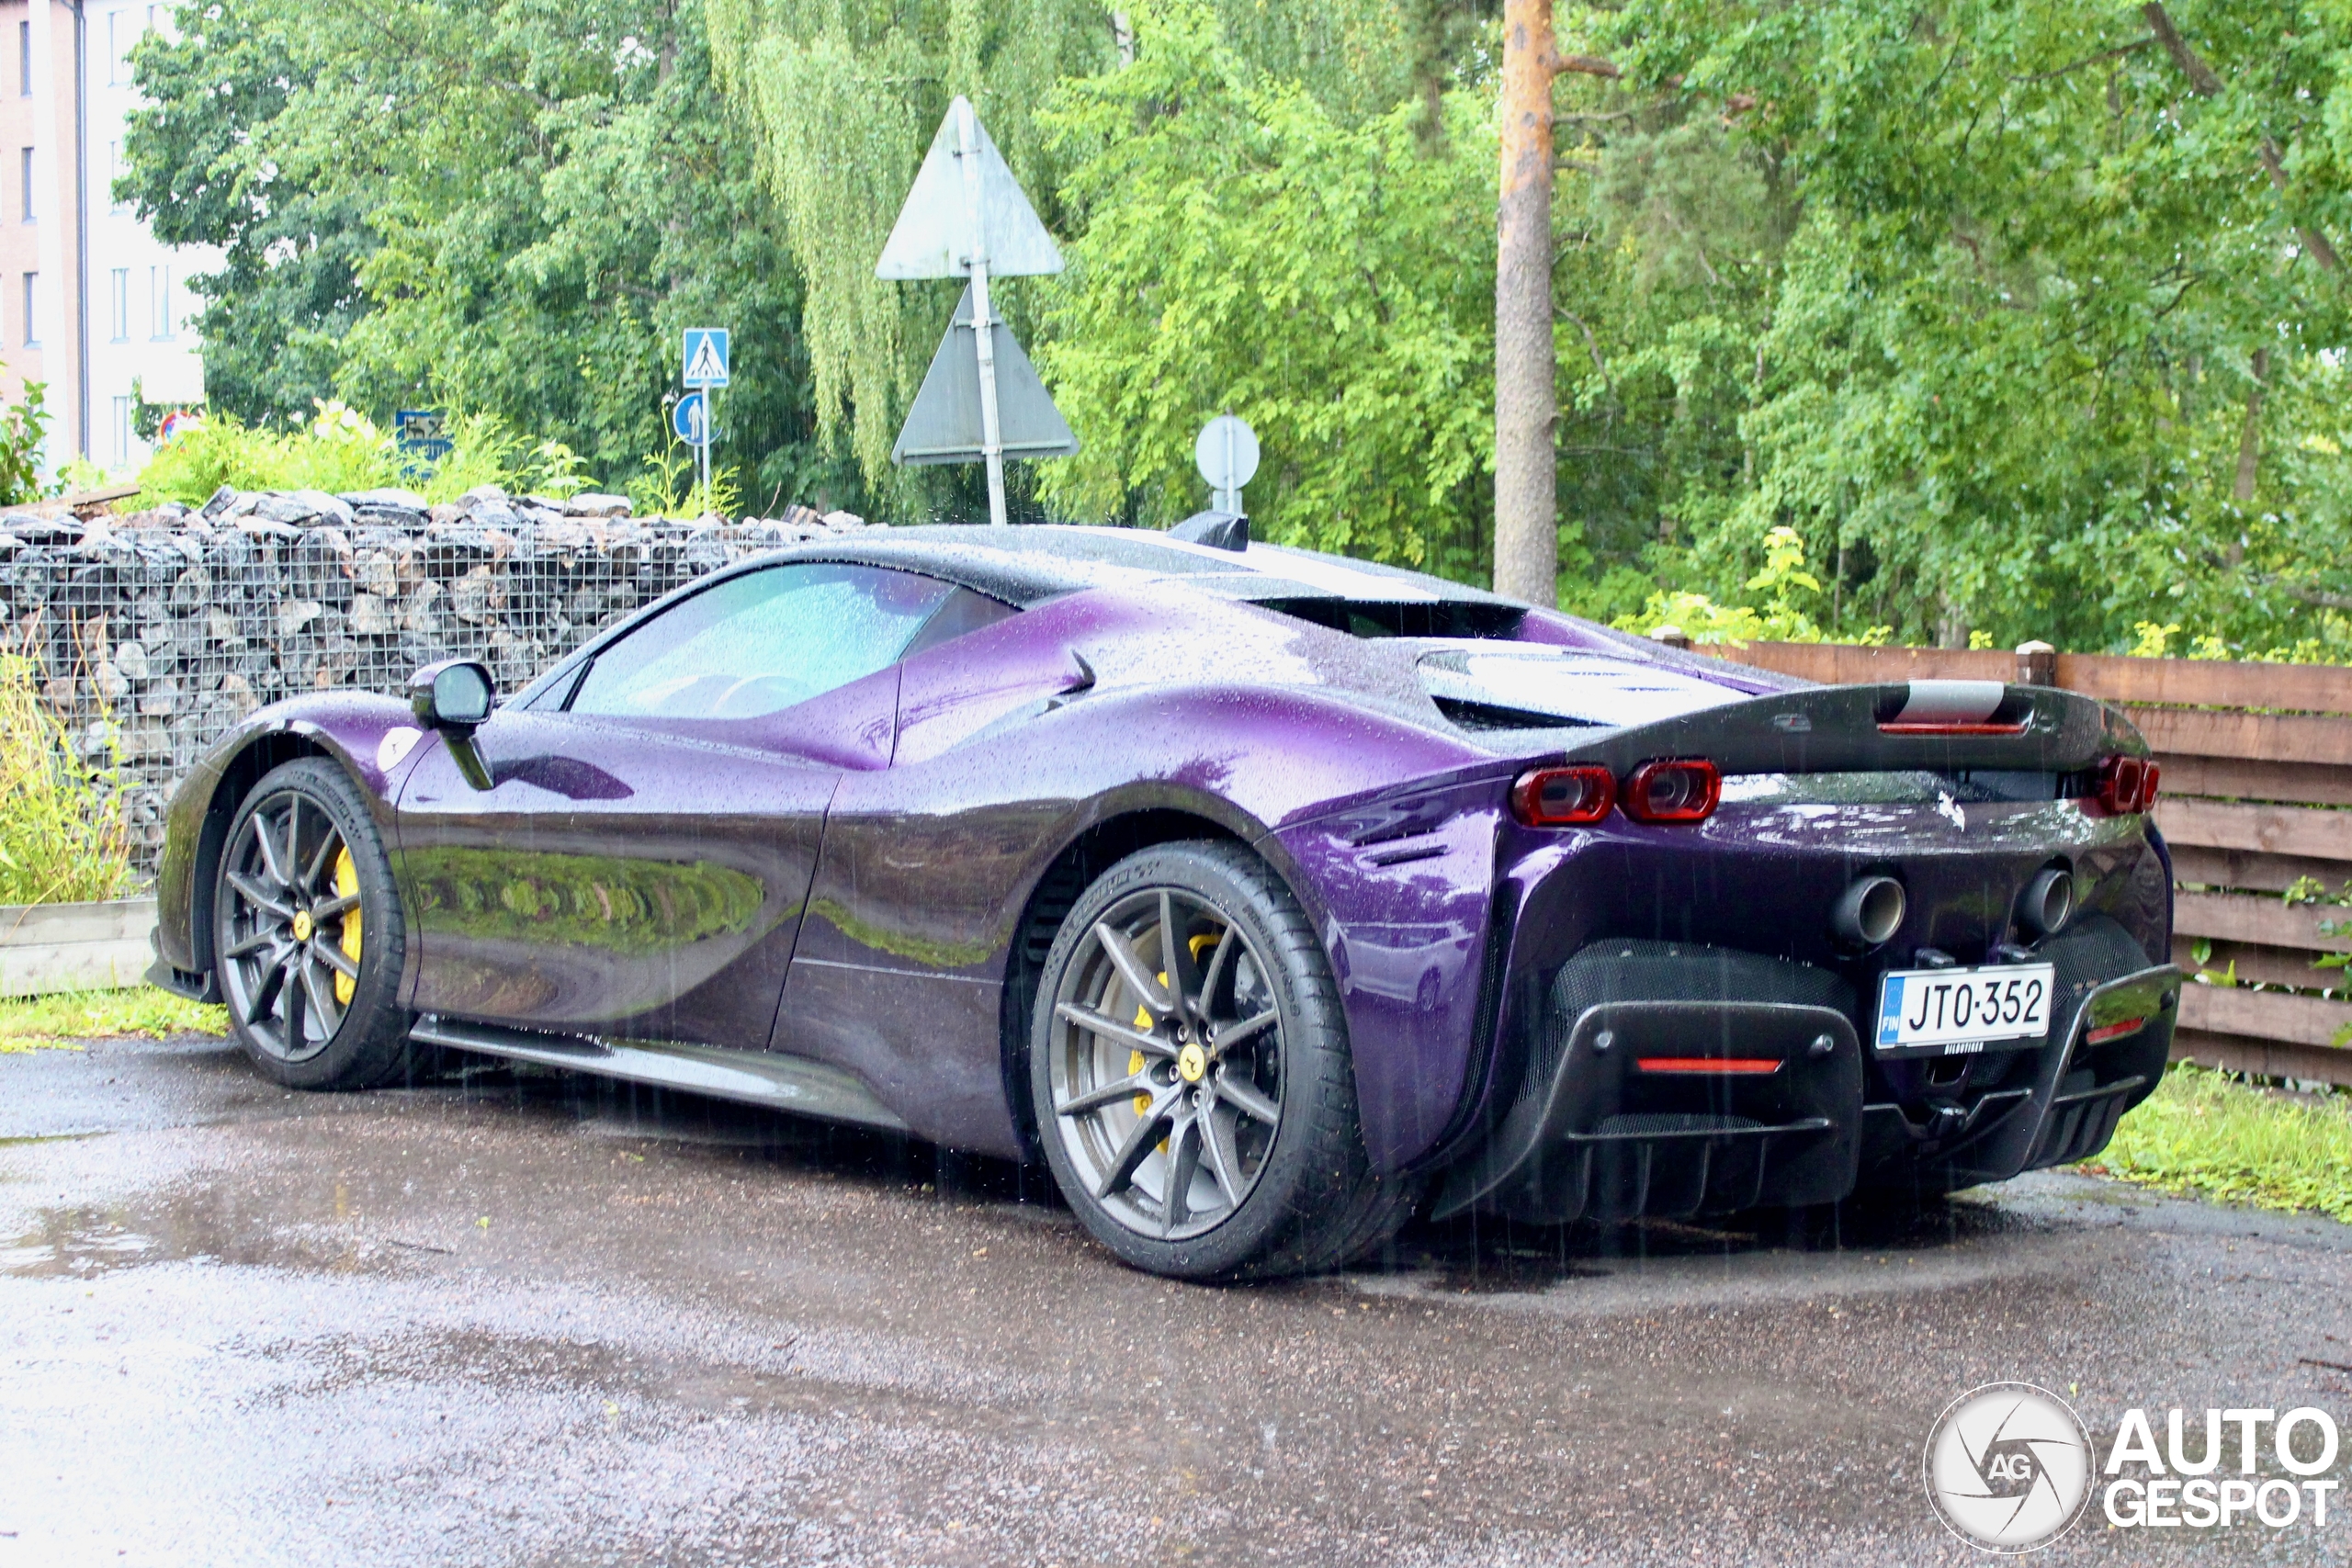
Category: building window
<point>160,324</point>
<point>25,180</point>
<point>32,334</point>
<point>122,432</point>
<point>23,60</point>
<point>122,304</point>
<point>121,32</point>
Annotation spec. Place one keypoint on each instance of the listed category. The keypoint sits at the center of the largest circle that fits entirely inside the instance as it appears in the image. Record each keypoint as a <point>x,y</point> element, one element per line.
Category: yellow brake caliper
<point>347,885</point>
<point>1143,1023</point>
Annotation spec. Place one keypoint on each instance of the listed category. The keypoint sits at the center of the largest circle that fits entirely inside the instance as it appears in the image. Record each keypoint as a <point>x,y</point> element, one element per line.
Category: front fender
<point>351,728</point>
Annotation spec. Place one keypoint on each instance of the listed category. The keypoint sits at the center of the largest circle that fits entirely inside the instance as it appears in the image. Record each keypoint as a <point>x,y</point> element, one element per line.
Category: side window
<point>964,611</point>
<point>760,643</point>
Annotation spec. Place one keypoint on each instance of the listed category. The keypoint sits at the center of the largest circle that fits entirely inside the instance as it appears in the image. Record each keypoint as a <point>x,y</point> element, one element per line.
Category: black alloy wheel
<point>307,933</point>
<point>1189,1063</point>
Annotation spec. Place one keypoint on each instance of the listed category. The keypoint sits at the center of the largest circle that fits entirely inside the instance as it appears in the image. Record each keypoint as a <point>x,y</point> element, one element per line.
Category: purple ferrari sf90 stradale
<point>1266,896</point>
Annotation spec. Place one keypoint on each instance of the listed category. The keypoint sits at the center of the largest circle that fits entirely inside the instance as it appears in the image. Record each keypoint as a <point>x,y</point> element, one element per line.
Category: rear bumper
<point>1671,1079</point>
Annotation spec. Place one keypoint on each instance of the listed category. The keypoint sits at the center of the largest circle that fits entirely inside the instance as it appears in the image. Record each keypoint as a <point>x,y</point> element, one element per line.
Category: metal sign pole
<point>703,449</point>
<point>967,145</point>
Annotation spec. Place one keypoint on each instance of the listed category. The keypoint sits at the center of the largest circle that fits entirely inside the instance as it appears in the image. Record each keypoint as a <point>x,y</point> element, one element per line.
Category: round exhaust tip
<point>1870,912</point>
<point>2048,903</point>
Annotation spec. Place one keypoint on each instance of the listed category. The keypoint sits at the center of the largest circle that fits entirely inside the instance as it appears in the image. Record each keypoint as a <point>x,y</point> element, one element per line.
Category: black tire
<point>1256,1198</point>
<point>281,889</point>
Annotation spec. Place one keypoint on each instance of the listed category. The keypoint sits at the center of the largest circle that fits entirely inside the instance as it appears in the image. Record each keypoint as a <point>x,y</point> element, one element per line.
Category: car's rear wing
<point>1940,726</point>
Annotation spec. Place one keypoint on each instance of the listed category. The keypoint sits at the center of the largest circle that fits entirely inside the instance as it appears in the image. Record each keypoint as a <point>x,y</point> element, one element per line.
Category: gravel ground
<point>533,1320</point>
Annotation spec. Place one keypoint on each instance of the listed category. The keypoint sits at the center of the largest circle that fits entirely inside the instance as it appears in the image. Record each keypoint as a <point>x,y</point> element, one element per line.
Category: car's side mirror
<point>455,696</point>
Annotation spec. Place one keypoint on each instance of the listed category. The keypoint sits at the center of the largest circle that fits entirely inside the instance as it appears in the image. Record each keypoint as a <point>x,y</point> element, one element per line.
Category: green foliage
<point>510,209</point>
<point>1783,618</point>
<point>341,449</point>
<point>844,95</point>
<point>22,426</point>
<point>670,486</point>
<point>2000,305</point>
<point>2213,1135</point>
<point>65,1018</point>
<point>1358,339</point>
<point>201,168</point>
<point>63,839</point>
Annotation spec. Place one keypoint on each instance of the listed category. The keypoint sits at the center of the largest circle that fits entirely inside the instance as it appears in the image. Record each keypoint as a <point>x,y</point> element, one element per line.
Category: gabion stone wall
<point>154,632</point>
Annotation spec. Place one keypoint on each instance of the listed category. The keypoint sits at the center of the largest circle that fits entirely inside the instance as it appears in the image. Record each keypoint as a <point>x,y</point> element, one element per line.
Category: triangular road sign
<point>929,238</point>
<point>943,426</point>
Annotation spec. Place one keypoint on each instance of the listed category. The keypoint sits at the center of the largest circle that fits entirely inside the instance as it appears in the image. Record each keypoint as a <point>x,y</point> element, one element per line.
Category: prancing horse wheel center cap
<point>1192,1061</point>
<point>302,926</point>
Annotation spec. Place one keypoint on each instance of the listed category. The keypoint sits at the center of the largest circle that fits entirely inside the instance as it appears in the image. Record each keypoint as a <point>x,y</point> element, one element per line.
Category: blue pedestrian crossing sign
<point>689,416</point>
<point>705,357</point>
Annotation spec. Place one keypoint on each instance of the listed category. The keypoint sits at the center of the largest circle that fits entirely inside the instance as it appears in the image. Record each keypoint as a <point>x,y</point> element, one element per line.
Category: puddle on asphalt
<point>75,1243</point>
<point>1485,1255</point>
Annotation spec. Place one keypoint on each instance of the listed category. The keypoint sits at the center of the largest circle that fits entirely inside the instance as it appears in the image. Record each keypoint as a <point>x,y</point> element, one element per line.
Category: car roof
<point>1027,564</point>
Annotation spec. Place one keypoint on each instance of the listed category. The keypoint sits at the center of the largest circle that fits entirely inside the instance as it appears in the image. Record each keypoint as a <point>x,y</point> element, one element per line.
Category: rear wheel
<point>1189,1063</point>
<point>307,933</point>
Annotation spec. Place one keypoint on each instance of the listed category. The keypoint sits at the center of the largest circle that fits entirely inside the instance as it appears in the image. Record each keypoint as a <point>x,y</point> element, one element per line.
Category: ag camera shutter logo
<point>2008,1467</point>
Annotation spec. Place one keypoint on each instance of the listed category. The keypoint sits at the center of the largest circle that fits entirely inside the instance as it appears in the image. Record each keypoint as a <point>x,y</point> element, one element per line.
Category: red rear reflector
<point>2108,1032</point>
<point>1678,789</point>
<point>2126,785</point>
<point>1564,797</point>
<point>1709,1063</point>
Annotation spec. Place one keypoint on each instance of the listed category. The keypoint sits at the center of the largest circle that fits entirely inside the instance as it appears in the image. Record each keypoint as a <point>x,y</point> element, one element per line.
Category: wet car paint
<point>1161,698</point>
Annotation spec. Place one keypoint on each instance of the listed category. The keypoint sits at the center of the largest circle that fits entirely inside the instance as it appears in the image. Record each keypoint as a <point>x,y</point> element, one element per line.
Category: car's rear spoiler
<point>1943,726</point>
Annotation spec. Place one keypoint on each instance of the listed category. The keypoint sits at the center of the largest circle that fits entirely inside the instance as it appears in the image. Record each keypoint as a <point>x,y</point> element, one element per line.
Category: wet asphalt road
<point>536,1321</point>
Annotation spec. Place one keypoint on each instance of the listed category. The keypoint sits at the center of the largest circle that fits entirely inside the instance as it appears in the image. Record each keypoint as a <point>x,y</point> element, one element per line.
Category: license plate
<point>1950,1012</point>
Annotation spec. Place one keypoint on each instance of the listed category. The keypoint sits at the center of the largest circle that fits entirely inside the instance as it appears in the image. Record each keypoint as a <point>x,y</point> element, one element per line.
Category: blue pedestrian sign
<point>706,360</point>
<point>689,417</point>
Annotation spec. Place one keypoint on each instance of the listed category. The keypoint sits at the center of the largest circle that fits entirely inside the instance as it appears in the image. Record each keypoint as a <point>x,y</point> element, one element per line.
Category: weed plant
<point>2212,1135</point>
<point>341,450</point>
<point>63,838</point>
<point>67,1017</point>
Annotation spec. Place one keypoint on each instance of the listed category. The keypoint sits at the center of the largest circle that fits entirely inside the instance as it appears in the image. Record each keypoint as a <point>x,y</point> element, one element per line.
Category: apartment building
<point>91,303</point>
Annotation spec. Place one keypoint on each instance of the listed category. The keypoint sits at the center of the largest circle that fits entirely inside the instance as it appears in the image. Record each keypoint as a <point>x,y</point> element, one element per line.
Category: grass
<point>2210,1135</point>
<point>66,1018</point>
<point>61,834</point>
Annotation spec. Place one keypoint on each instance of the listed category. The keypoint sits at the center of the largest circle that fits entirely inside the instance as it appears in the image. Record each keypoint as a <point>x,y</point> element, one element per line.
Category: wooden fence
<point>2257,771</point>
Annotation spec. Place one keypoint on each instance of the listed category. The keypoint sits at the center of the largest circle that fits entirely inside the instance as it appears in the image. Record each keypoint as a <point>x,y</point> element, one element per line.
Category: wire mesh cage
<point>153,634</point>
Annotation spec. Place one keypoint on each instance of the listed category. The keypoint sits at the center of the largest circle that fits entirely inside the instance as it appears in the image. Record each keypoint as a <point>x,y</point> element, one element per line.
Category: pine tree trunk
<point>1527,544</point>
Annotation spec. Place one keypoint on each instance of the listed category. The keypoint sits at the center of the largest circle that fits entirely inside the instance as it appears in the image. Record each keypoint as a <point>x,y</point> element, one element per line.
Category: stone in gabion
<point>158,631</point>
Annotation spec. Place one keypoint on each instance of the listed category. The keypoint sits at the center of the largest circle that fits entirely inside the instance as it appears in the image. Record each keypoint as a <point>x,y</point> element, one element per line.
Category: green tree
<point>1246,247</point>
<point>2056,286</point>
<point>550,195</point>
<point>198,171</point>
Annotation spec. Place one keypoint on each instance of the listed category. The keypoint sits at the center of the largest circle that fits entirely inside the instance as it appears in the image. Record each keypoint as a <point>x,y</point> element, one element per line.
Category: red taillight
<point>2126,785</point>
<point>1897,727</point>
<point>1564,797</point>
<point>2108,1032</point>
<point>1676,790</point>
<point>1734,1065</point>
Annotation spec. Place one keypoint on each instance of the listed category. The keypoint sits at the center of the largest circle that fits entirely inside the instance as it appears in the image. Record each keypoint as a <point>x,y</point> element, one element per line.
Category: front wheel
<point>1189,1062</point>
<point>307,933</point>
